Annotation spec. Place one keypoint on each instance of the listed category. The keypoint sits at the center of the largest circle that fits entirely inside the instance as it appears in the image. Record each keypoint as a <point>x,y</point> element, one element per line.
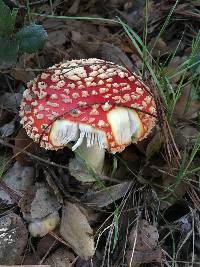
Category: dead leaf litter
<point>142,209</point>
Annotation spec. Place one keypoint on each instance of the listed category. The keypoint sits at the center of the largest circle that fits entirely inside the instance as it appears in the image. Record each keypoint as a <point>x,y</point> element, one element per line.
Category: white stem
<point>93,157</point>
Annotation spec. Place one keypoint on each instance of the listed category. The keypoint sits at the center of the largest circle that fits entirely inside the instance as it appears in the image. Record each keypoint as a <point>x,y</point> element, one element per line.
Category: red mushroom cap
<point>84,97</point>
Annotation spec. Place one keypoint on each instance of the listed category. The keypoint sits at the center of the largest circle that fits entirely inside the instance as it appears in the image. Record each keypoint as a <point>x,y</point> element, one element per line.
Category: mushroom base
<point>87,162</point>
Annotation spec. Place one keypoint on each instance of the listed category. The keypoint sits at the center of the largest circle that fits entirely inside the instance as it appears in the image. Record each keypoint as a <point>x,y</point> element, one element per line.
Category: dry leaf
<point>22,71</point>
<point>8,129</point>
<point>11,101</point>
<point>82,47</point>
<point>113,53</point>
<point>90,46</point>
<point>24,143</point>
<point>26,200</point>
<point>74,8</point>
<point>154,145</point>
<point>31,260</point>
<point>76,231</point>
<point>136,258</point>
<point>137,61</point>
<point>45,244</point>
<point>184,109</point>
<point>79,171</point>
<point>44,203</point>
<point>146,234</point>
<point>185,136</point>
<point>62,257</point>
<point>18,178</point>
<point>172,67</point>
<point>159,48</point>
<point>22,74</point>
<point>144,240</point>
<point>57,38</point>
<point>109,195</point>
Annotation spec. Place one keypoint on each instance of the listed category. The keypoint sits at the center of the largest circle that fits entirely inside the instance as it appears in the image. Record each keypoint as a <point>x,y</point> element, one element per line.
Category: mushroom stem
<point>87,160</point>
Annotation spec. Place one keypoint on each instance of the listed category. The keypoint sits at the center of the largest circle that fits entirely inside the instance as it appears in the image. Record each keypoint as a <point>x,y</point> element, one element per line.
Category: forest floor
<point>146,210</point>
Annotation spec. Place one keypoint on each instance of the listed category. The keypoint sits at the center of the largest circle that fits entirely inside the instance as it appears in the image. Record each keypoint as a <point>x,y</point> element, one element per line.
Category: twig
<point>4,143</point>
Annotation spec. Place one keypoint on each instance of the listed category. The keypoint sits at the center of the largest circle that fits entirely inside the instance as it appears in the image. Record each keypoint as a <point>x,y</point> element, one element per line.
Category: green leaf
<point>31,38</point>
<point>7,19</point>
<point>8,52</point>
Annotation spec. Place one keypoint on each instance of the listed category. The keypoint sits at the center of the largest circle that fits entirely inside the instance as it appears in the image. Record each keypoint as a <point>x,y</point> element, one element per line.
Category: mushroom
<point>41,227</point>
<point>96,104</point>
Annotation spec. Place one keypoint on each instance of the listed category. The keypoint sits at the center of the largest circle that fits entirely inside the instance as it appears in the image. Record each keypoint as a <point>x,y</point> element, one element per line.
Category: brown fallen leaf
<point>105,197</point>
<point>146,236</point>
<point>57,38</point>
<point>22,71</point>
<point>154,145</point>
<point>172,67</point>
<point>11,101</point>
<point>8,129</point>
<point>74,8</point>
<point>185,136</point>
<point>31,259</point>
<point>159,48</point>
<point>22,75</point>
<point>137,61</point>
<point>62,257</point>
<point>90,46</point>
<point>24,143</point>
<point>83,46</point>
<point>113,53</point>
<point>26,200</point>
<point>143,245</point>
<point>44,203</point>
<point>76,231</point>
<point>126,47</point>
<point>136,258</point>
<point>46,243</point>
<point>185,107</point>
<point>17,180</point>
